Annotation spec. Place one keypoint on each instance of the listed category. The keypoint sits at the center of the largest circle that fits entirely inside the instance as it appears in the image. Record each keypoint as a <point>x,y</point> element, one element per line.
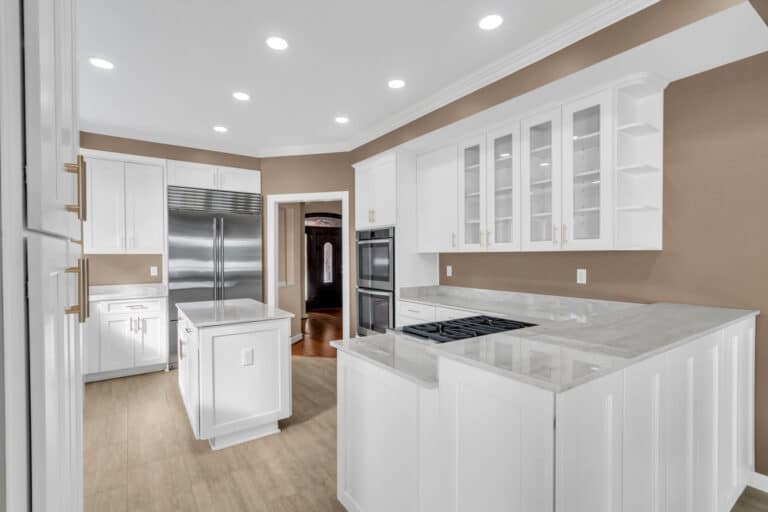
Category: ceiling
<point>177,63</point>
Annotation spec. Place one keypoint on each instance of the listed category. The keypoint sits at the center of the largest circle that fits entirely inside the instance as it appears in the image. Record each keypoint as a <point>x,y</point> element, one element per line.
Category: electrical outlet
<point>581,276</point>
<point>449,270</point>
<point>153,271</point>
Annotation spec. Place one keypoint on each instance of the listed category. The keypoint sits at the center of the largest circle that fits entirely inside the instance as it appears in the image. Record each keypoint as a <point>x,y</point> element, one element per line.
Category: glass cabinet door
<point>472,235</point>
<point>586,174</point>
<point>541,181</point>
<point>503,190</point>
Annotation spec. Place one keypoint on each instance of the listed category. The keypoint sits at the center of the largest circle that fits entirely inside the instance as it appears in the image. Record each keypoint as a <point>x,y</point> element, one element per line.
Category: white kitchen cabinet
<point>498,441</point>
<point>442,314</point>
<point>51,116</point>
<point>104,230</point>
<point>144,209</point>
<point>189,373</point>
<point>472,195</point>
<point>502,184</point>
<point>541,178</point>
<point>238,180</point>
<point>188,174</point>
<point>376,192</point>
<point>125,337</point>
<point>587,211</point>
<point>409,313</point>
<point>436,183</point>
<point>127,208</point>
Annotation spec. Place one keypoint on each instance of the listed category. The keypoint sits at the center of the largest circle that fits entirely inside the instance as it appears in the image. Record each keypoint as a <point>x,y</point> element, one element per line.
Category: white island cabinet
<point>234,369</point>
<point>643,408</point>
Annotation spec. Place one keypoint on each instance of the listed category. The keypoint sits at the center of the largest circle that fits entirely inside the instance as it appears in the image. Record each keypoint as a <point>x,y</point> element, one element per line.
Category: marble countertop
<point>127,291</point>
<point>233,311</point>
<point>526,307</point>
<point>556,355</point>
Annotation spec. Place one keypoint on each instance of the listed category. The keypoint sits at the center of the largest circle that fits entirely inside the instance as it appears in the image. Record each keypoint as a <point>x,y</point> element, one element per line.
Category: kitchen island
<point>598,408</point>
<point>234,369</point>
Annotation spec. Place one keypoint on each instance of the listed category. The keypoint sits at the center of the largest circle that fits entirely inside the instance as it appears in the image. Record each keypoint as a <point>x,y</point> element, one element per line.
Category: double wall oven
<point>375,280</point>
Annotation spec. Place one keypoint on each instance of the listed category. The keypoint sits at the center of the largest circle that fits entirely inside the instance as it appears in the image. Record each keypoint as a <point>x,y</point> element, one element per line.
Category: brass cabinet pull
<point>81,208</point>
<point>563,234</point>
<point>82,309</point>
<point>554,235</point>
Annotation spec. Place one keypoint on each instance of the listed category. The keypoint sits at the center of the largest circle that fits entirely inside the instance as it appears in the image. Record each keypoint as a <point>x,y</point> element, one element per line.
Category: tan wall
<point>323,207</point>
<point>125,269</point>
<point>291,235</point>
<point>715,210</point>
<point>314,173</point>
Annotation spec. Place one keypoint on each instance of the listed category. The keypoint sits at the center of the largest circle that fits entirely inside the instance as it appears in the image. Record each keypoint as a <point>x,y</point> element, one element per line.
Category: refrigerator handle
<point>215,258</point>
<point>221,259</point>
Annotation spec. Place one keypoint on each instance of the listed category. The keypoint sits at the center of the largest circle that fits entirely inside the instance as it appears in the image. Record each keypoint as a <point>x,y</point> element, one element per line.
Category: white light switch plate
<point>449,270</point>
<point>153,270</point>
<point>581,276</point>
<point>247,357</point>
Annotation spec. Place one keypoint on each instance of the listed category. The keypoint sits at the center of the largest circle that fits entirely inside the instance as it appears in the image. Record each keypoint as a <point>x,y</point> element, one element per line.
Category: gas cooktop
<point>463,328</point>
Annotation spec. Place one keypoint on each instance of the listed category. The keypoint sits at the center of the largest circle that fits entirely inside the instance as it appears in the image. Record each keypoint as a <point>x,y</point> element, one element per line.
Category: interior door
<point>323,267</point>
<point>541,182</point>
<point>151,345</point>
<point>55,376</point>
<point>144,209</point>
<point>118,333</point>
<point>190,258</point>
<point>240,258</point>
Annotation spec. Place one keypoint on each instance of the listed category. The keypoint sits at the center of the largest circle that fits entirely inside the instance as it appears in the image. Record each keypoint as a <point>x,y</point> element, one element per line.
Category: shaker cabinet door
<point>144,209</point>
<point>105,228</point>
<point>117,335</point>
<point>436,182</point>
<point>188,174</point>
<point>472,197</point>
<point>151,340</point>
<point>52,135</point>
<point>239,180</point>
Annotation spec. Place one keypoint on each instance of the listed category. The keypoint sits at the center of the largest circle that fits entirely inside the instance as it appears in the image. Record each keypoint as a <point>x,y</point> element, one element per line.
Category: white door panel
<point>436,183</point>
<point>144,208</point>
<point>151,340</point>
<point>105,228</point>
<point>118,336</point>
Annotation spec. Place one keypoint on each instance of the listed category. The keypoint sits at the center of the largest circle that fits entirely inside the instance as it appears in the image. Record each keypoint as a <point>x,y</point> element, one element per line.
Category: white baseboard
<point>758,481</point>
<point>296,338</point>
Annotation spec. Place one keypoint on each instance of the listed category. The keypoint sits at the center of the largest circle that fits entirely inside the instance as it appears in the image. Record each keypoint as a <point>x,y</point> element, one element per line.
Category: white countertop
<point>127,291</point>
<point>556,355</point>
<point>234,311</point>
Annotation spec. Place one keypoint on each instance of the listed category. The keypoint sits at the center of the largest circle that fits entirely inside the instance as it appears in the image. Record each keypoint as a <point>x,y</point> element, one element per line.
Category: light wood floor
<point>140,454</point>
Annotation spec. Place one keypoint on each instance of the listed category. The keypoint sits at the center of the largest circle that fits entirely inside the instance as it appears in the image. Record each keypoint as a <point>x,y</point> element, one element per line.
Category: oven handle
<point>372,292</point>
<point>371,242</point>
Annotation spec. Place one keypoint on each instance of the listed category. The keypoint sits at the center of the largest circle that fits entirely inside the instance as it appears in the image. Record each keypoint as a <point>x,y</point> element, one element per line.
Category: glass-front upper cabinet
<point>587,174</point>
<point>541,183</point>
<point>503,189</point>
<point>472,231</point>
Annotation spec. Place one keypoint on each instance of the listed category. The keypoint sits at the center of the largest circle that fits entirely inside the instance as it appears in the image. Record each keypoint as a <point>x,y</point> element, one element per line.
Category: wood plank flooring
<point>140,454</point>
<point>320,328</point>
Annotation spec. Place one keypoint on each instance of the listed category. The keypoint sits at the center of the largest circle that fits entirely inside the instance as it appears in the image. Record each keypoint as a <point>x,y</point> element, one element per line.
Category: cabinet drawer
<point>443,314</point>
<point>416,311</point>
<point>131,306</point>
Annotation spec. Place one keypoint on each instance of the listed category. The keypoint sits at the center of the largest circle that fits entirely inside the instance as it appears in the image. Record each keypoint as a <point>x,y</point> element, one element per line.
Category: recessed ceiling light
<point>396,83</point>
<point>241,96</point>
<point>220,129</point>
<point>490,22</point>
<point>342,119</point>
<point>101,63</point>
<point>277,43</point>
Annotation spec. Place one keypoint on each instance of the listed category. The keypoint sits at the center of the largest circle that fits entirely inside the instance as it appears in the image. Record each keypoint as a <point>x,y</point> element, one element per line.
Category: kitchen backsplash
<point>125,268</point>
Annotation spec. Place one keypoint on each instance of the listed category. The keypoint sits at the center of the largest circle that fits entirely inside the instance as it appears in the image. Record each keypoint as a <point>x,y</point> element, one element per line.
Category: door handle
<point>215,258</point>
<point>222,282</point>
<point>81,208</point>
<point>82,308</point>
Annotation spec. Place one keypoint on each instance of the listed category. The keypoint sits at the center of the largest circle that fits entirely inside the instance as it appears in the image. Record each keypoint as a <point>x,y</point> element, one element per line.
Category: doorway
<point>322,235</point>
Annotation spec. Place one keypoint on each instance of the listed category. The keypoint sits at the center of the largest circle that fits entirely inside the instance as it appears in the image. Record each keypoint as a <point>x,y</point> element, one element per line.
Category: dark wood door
<point>323,267</point>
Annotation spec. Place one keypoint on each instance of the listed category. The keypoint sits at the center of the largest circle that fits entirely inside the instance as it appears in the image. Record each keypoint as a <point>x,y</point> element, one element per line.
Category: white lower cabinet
<point>442,314</point>
<point>125,337</point>
<point>674,432</point>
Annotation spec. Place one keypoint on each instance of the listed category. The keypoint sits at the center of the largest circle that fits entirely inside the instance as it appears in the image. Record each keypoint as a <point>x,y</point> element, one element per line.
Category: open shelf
<point>638,169</point>
<point>587,210</point>
<point>540,183</point>
<point>503,219</point>
<point>638,129</point>
<point>585,174</point>
<point>586,136</point>
<point>472,194</point>
<point>471,167</point>
<point>502,158</point>
<point>543,214</point>
<point>541,149</point>
<point>509,188</point>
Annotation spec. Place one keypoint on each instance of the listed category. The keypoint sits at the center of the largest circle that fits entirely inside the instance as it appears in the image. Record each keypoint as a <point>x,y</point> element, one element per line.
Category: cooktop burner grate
<point>463,328</point>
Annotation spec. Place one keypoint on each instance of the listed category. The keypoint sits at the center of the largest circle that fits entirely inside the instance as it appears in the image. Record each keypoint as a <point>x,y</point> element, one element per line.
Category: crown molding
<point>591,21</point>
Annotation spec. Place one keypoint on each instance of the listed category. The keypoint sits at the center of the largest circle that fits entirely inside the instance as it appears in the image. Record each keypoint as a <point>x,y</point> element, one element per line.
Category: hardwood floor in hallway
<point>319,328</point>
<point>140,454</point>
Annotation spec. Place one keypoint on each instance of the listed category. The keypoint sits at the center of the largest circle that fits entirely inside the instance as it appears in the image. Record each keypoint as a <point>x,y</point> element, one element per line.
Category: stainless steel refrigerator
<point>214,248</point>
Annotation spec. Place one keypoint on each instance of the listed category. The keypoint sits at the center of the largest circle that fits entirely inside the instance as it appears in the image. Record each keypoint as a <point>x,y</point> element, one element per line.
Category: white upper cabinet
<point>104,231</point>
<point>188,174</point>
<point>541,178</point>
<point>436,184</point>
<point>376,192</point>
<point>52,134</point>
<point>503,189</point>
<point>127,212</point>
<point>588,173</point>
<point>239,180</point>
<point>472,196</point>
<point>144,210</point>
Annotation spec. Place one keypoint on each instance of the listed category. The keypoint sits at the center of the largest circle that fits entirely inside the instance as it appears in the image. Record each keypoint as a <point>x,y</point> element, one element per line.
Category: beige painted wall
<point>125,269</point>
<point>715,210</point>
<point>323,207</point>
